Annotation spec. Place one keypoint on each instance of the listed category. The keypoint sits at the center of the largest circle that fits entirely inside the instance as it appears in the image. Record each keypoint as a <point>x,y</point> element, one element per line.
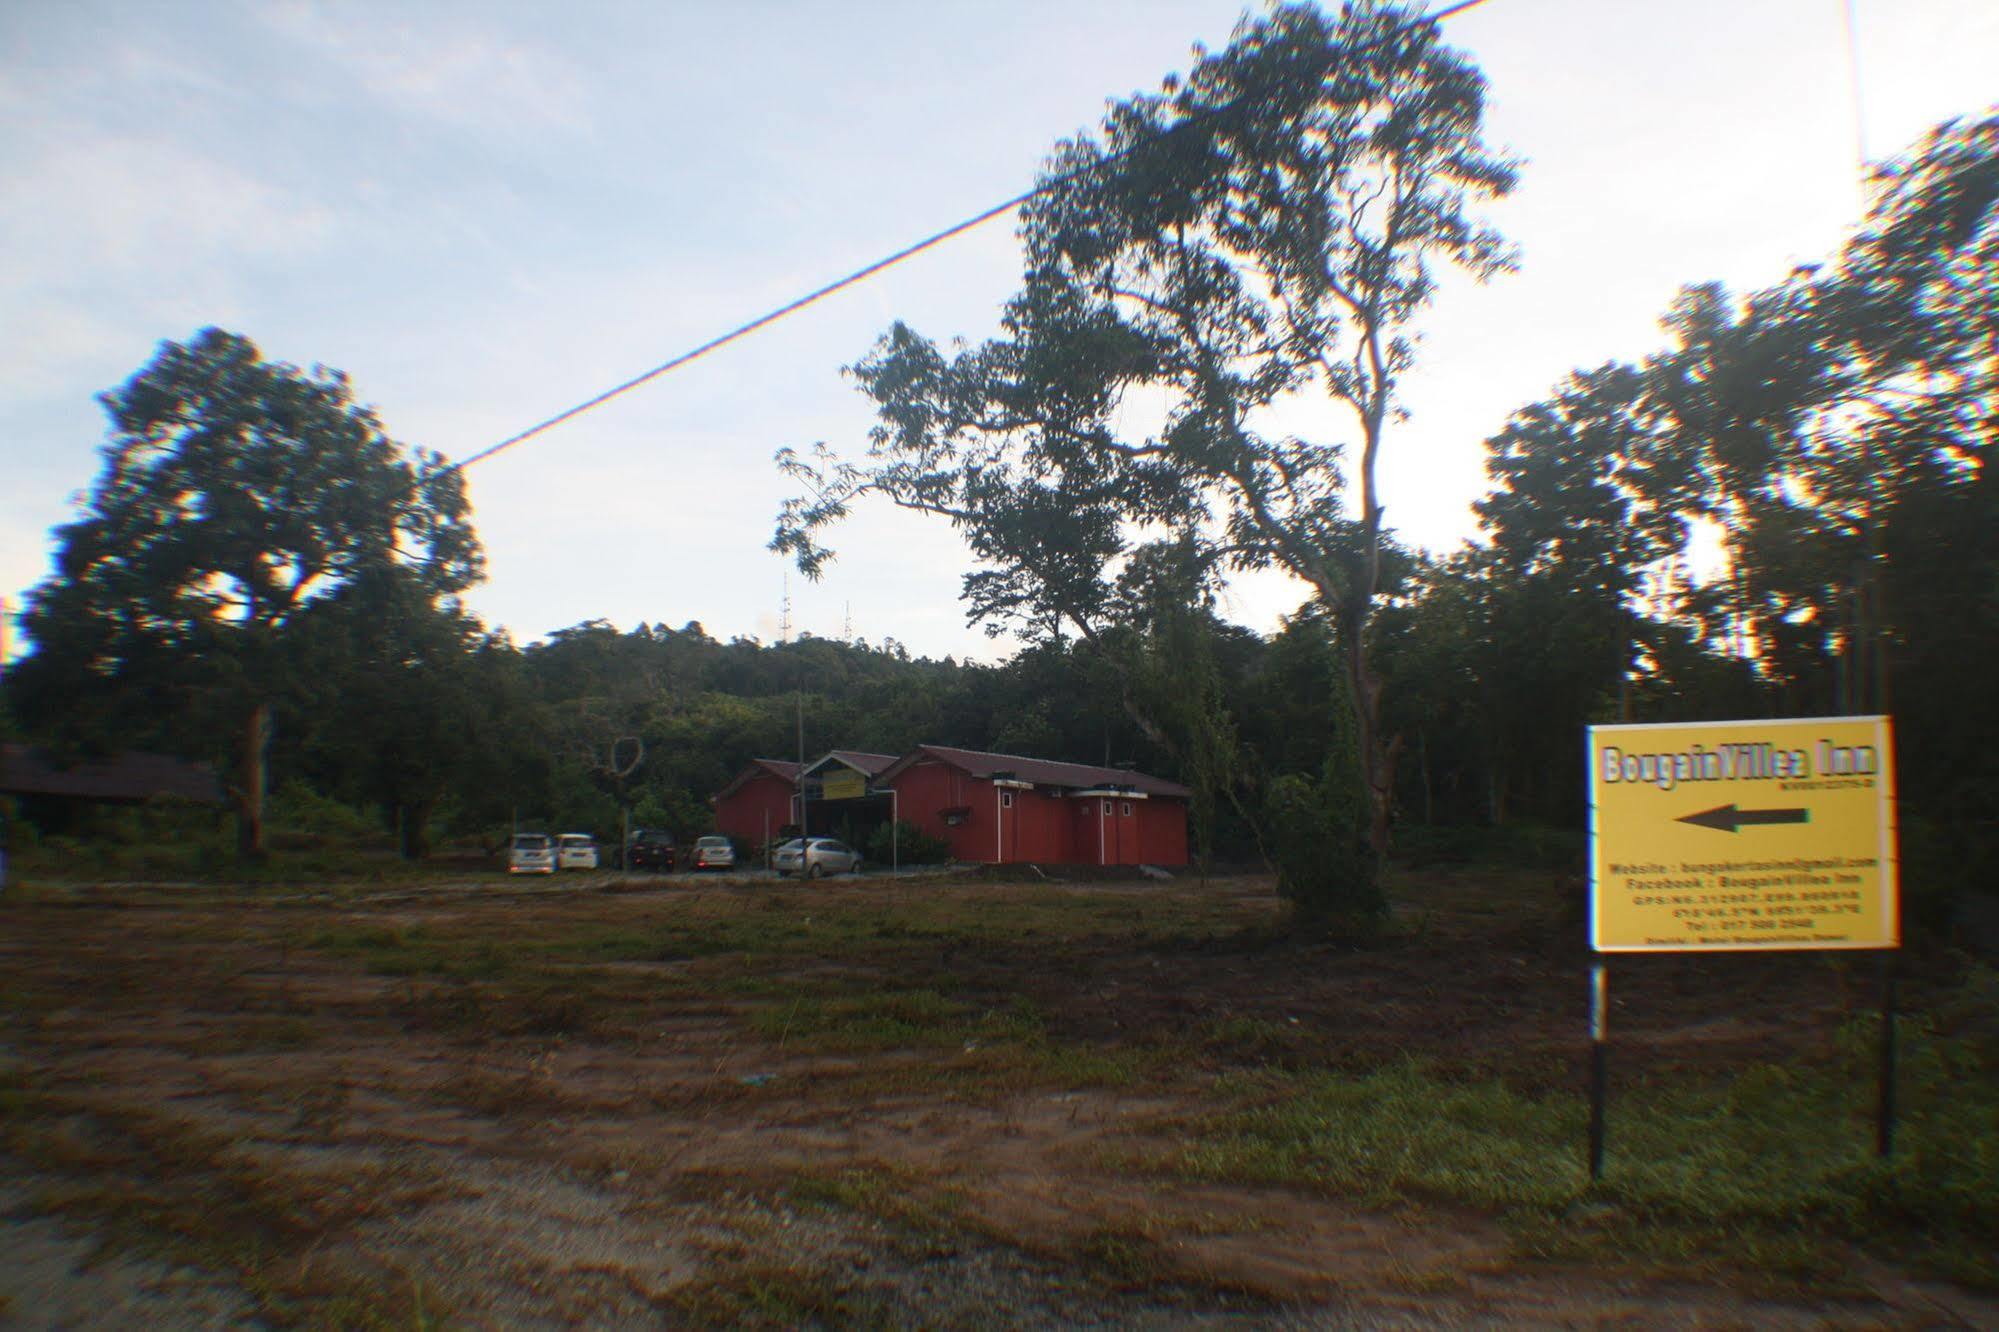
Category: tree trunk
<point>250,782</point>
<point>1423,761</point>
<point>1376,757</point>
<point>413,829</point>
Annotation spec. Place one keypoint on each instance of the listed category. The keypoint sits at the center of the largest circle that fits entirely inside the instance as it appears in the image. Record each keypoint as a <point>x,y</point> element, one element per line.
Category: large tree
<point>1815,411</point>
<point>237,495</point>
<point>1261,233</point>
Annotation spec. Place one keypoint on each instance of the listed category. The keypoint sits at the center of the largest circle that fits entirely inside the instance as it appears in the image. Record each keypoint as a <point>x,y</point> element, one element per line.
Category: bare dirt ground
<point>486,1106</point>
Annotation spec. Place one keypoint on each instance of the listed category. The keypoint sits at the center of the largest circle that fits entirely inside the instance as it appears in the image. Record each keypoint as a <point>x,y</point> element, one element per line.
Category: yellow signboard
<point>848,785</point>
<point>1711,836</point>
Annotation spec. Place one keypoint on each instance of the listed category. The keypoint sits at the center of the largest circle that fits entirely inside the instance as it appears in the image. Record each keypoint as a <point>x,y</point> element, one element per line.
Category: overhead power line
<point>911,251</point>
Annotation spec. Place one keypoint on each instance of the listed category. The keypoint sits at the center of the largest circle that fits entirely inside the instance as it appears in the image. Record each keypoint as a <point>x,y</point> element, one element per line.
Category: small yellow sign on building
<point>1712,836</point>
<point>845,785</point>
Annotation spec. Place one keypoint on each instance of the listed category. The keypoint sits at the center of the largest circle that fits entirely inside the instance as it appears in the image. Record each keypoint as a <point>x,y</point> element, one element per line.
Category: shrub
<point>1317,842</point>
<point>297,808</point>
<point>912,845</point>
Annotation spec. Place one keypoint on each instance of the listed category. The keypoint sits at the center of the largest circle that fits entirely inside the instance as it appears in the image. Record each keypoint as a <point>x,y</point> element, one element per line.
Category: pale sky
<point>486,212</point>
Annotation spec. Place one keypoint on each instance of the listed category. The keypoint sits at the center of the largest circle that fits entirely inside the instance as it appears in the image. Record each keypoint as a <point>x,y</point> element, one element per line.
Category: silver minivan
<point>532,853</point>
<point>576,851</point>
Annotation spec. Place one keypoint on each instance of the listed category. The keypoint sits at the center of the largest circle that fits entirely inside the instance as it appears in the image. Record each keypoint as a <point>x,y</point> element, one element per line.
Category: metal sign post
<point>1884,1106</point>
<point>1599,1066</point>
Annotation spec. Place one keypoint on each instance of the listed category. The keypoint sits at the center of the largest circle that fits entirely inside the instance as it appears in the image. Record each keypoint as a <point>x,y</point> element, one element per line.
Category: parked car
<point>651,849</point>
<point>822,856</point>
<point>531,853</point>
<point>576,851</point>
<point>714,853</point>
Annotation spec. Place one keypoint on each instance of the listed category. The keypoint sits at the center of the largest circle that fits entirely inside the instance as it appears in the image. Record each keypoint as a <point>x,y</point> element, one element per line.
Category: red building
<point>1001,808</point>
<point>991,808</point>
<point>762,799</point>
<point>841,799</point>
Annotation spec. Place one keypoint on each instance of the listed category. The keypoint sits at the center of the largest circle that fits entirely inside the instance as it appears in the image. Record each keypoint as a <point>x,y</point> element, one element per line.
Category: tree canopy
<point>238,497</point>
<point>1264,230</point>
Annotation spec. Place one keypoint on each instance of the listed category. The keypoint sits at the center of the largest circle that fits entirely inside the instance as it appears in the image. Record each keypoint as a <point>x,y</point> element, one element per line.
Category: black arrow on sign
<point>1727,818</point>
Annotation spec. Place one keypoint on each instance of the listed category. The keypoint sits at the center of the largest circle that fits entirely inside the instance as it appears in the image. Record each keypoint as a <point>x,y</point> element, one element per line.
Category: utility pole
<point>618,775</point>
<point>798,694</point>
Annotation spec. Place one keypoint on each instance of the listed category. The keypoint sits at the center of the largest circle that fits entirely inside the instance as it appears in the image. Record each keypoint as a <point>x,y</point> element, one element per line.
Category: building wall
<point>1111,830</point>
<point>1162,831</point>
<point>742,814</point>
<point>924,790</point>
<point>1038,826</point>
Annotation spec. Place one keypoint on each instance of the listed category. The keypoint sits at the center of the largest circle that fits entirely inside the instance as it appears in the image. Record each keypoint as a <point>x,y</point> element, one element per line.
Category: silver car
<point>824,856</point>
<point>713,853</point>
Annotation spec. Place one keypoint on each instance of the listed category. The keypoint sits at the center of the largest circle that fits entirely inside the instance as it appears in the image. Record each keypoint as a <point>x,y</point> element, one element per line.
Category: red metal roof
<point>778,768</point>
<point>131,776</point>
<point>1042,772</point>
<point>871,764</point>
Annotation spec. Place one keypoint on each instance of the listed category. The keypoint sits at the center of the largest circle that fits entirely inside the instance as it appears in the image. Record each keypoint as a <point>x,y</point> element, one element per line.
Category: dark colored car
<point>651,849</point>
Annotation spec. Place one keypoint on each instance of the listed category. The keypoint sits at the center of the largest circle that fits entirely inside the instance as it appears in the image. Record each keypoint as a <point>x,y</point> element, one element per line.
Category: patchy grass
<point>688,1048</point>
<point>893,1020</point>
<point>1771,1170</point>
<point>887,1192</point>
<point>1131,1257</point>
<point>861,919</point>
<point>148,1182</point>
<point>771,1295</point>
<point>416,950</point>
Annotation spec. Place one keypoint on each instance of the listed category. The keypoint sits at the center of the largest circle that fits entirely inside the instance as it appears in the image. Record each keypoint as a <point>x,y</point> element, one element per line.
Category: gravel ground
<point>52,1278</point>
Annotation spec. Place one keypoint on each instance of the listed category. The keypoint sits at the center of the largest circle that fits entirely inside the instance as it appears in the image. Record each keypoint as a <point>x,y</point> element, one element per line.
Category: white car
<point>576,851</point>
<point>713,853</point>
<point>531,853</point>
<point>825,856</point>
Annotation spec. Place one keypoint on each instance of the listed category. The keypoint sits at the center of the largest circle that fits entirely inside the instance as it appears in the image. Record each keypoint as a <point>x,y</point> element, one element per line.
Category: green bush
<point>1317,841</point>
<point>297,808</point>
<point>912,845</point>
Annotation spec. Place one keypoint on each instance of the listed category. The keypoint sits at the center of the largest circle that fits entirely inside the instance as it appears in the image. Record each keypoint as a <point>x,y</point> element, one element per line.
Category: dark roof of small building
<point>781,769</point>
<point>130,776</point>
<point>1042,772</point>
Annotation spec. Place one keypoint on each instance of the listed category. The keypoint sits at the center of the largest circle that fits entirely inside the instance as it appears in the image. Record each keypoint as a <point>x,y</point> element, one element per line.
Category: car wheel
<point>817,871</point>
<point>856,868</point>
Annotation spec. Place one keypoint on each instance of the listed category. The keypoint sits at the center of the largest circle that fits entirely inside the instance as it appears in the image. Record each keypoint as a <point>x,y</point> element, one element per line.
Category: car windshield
<point>530,842</point>
<point>575,840</point>
<point>713,842</point>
